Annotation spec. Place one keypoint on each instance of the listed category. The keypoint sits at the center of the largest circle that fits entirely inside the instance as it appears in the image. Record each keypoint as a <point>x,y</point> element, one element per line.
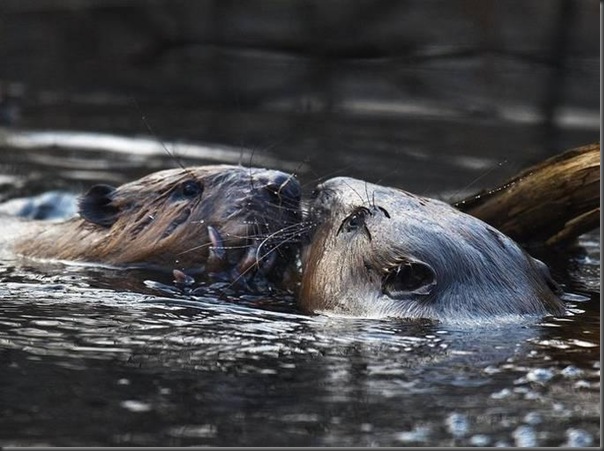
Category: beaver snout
<point>283,190</point>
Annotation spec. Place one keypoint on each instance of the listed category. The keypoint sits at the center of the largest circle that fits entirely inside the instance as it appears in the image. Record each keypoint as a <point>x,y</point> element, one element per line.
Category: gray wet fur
<point>464,269</point>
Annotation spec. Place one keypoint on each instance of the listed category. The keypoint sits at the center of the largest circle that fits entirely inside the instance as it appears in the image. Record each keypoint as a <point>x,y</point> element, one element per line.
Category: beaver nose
<point>285,187</point>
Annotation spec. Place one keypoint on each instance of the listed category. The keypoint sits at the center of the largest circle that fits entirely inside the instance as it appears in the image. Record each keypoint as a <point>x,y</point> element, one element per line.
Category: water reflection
<point>88,349</point>
<point>212,373</point>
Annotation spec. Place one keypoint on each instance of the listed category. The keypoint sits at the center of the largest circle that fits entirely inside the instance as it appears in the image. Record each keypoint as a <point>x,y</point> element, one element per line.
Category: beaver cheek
<point>178,220</point>
<point>317,285</point>
<point>351,290</point>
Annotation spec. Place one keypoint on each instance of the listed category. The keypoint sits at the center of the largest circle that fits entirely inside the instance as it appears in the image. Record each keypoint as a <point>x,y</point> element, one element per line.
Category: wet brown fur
<point>153,221</point>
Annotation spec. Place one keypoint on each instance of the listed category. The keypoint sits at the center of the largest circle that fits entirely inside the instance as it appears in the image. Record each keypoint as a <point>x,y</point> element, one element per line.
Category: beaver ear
<point>409,277</point>
<point>95,206</point>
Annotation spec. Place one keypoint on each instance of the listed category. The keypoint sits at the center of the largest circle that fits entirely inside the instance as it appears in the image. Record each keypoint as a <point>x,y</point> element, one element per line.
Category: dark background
<point>385,90</point>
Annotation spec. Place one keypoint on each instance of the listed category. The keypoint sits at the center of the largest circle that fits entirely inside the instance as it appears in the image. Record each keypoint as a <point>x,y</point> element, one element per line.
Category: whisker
<point>366,192</point>
<point>296,229</point>
<point>357,193</point>
<point>483,175</point>
<point>170,153</point>
<point>201,246</point>
<point>259,257</point>
<point>264,237</point>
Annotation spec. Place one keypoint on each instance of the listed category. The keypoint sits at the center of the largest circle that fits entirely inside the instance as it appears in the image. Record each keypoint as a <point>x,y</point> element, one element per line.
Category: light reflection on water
<point>233,354</point>
<point>302,375</point>
<point>93,356</point>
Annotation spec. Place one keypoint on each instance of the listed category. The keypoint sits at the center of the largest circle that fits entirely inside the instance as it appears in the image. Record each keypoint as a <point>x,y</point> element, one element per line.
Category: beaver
<point>379,252</point>
<point>227,220</point>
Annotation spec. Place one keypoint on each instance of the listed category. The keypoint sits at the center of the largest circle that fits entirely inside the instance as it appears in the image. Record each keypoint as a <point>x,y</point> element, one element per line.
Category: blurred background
<point>429,95</point>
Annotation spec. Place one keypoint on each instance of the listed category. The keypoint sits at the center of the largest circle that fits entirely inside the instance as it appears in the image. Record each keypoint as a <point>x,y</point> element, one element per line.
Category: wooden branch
<point>549,204</point>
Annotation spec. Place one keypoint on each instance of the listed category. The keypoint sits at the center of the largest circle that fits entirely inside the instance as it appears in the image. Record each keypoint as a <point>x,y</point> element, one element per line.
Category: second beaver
<point>219,218</point>
<point>383,252</point>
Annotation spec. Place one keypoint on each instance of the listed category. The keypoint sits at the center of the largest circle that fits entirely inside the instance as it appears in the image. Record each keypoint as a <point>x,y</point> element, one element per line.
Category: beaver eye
<point>409,277</point>
<point>355,221</point>
<point>191,188</point>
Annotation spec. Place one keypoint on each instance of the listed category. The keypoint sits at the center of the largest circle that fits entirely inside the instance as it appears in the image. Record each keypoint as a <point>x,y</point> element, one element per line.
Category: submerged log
<point>549,204</point>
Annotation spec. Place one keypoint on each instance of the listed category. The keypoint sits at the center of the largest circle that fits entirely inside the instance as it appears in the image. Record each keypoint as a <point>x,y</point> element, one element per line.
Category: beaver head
<point>207,218</point>
<point>383,252</point>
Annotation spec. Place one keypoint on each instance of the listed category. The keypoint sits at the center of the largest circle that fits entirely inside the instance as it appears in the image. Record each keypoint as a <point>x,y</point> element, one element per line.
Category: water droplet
<point>504,393</point>
<point>457,424</point>
<point>578,437</point>
<point>581,384</point>
<point>418,434</point>
<point>540,375</point>
<point>533,418</point>
<point>571,371</point>
<point>491,369</point>
<point>366,427</point>
<point>135,406</point>
<point>525,436</point>
<point>480,440</point>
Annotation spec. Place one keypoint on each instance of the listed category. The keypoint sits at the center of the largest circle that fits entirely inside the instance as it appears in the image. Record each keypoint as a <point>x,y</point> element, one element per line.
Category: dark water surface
<point>94,356</point>
<point>441,98</point>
